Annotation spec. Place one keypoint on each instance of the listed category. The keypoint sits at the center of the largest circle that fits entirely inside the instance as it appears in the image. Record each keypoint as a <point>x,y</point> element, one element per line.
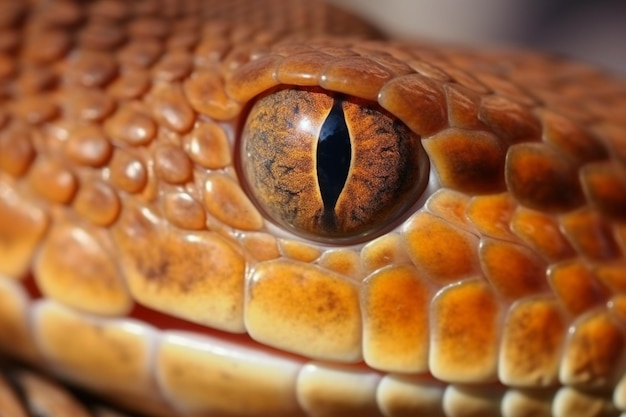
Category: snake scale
<point>263,208</point>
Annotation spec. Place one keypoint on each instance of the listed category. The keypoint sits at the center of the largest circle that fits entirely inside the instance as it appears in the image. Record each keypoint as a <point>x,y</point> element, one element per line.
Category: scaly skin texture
<point>135,264</point>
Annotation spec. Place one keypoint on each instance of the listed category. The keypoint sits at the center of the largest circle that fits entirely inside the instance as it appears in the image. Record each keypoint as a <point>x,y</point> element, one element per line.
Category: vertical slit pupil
<point>333,158</point>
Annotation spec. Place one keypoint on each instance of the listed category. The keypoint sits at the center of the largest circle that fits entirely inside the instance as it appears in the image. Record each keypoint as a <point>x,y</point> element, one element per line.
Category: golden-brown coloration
<point>135,263</point>
<point>281,159</point>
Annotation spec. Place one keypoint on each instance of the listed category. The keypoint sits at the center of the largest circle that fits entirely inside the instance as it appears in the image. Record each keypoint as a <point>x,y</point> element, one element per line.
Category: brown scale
<point>132,84</point>
<point>206,94</point>
<point>132,124</point>
<point>590,235</point>
<point>91,69</point>
<point>207,145</point>
<point>170,109</point>
<point>174,66</point>
<point>90,105</point>
<point>509,120</point>
<point>463,107</point>
<point>470,161</point>
<point>171,164</point>
<point>52,180</point>
<point>505,89</point>
<point>336,75</point>
<point>35,80</point>
<point>16,151</point>
<point>539,178</point>
<point>127,172</point>
<point>183,211</point>
<point>422,96</point>
<point>87,145</point>
<point>36,110</point>
<point>98,202</point>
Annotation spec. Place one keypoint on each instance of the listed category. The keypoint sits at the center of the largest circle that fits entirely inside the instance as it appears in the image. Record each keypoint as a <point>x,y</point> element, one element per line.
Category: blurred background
<point>590,30</point>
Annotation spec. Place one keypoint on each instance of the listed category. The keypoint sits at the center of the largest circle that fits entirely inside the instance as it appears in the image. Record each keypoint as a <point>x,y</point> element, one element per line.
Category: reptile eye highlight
<point>330,167</point>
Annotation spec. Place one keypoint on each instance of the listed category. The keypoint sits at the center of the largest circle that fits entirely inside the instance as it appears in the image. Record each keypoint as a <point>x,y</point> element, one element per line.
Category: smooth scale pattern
<point>135,265</point>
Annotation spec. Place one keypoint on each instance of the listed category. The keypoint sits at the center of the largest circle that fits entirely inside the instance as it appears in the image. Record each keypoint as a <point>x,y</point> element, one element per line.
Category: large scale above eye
<point>328,166</point>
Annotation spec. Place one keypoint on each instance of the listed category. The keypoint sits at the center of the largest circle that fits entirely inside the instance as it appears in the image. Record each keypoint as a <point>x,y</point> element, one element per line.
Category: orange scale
<point>88,104</point>
<point>570,137</point>
<point>532,340</point>
<point>299,251</point>
<point>23,223</point>
<point>140,53</point>
<point>509,120</point>
<point>131,84</point>
<point>505,88</point>
<point>465,322</point>
<point>171,109</point>
<point>385,250</point>
<point>492,214</point>
<point>206,93</point>
<point>595,346</point>
<point>88,145</point>
<point>224,199</point>
<point>513,270</point>
<point>183,211</point>
<point>52,180</point>
<point>74,267</point>
<point>304,309</point>
<point>180,270</point>
<point>558,190</point>
<point>46,46</point>
<point>303,69</point>
<point>91,69</point>
<point>207,145</point>
<point>542,233</point>
<point>17,151</point>
<point>174,66</point>
<point>172,165</point>
<point>604,185</point>
<point>463,106</point>
<point>590,234</point>
<point>451,206</point>
<point>468,161</point>
<point>439,249</point>
<point>253,78</point>
<point>36,109</point>
<point>343,261</point>
<point>128,172</point>
<point>613,276</point>
<point>617,307</point>
<point>576,287</point>
<point>395,306</point>
<point>417,101</point>
<point>132,125</point>
<point>357,76</point>
<point>97,202</point>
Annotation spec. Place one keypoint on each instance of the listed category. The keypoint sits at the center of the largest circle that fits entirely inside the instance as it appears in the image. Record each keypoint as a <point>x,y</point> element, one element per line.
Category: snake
<point>268,208</point>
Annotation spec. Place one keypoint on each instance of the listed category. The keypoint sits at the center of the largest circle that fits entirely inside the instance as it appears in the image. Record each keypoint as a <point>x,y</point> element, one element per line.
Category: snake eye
<point>330,167</point>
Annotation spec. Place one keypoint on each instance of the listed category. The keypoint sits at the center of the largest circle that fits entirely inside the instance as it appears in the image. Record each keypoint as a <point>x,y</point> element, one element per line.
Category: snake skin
<point>137,265</point>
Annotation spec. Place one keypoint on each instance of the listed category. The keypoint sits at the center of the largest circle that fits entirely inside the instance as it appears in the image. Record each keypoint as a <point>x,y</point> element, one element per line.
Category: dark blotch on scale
<point>333,161</point>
